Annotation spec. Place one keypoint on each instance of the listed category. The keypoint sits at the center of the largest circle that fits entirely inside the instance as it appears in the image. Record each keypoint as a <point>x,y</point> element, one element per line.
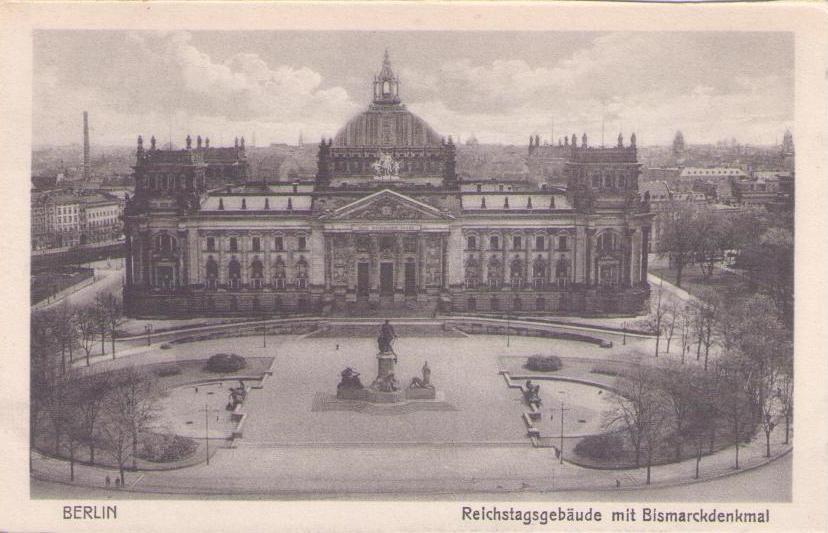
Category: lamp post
<point>507,330</point>
<point>148,331</point>
<point>264,333</point>
<point>624,330</point>
<point>207,432</point>
<point>563,395</point>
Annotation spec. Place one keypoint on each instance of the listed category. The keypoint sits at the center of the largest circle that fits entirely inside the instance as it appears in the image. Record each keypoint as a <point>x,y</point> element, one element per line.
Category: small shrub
<point>607,370</point>
<point>606,447</point>
<point>166,371</point>
<point>544,363</point>
<point>166,447</point>
<point>225,362</point>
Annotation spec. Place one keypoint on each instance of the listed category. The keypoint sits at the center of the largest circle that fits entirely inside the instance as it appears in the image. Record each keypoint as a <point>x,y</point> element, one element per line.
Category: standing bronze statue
<point>386,338</point>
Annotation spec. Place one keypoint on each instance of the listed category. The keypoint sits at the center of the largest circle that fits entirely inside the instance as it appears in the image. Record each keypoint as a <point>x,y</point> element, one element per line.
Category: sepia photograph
<point>454,265</point>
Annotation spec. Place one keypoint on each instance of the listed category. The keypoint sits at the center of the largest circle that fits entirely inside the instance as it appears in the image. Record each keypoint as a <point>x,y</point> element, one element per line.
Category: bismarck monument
<point>386,387</point>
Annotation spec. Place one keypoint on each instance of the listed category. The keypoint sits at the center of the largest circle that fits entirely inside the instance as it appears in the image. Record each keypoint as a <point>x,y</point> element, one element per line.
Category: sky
<point>499,86</point>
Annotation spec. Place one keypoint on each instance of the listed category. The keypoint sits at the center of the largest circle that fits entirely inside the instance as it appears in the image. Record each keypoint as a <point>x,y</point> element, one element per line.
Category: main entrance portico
<point>386,246</point>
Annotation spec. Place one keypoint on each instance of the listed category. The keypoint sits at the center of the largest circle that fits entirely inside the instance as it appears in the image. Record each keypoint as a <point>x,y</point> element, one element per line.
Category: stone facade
<point>391,229</point>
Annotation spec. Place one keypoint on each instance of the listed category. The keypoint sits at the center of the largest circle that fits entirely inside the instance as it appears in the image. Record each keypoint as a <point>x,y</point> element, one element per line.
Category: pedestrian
<point>617,483</point>
<point>196,390</point>
<point>108,481</point>
<point>337,347</point>
<point>117,483</point>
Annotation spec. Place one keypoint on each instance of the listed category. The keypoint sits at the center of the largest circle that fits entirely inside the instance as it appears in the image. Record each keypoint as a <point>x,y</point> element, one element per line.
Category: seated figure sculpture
<point>425,382</point>
<point>531,392</point>
<point>350,379</point>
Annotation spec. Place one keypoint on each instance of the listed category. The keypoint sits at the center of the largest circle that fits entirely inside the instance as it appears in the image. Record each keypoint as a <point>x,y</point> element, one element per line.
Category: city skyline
<point>494,86</point>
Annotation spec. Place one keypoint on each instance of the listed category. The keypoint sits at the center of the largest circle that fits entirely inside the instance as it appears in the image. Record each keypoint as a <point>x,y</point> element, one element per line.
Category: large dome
<point>386,122</point>
<point>387,125</point>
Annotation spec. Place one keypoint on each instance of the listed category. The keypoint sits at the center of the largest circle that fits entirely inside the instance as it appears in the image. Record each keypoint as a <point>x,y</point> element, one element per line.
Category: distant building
<point>66,218</point>
<point>546,163</point>
<point>679,149</point>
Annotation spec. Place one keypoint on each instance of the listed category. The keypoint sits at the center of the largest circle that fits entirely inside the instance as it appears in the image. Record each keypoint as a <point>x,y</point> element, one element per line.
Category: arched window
<point>472,273</point>
<point>540,243</point>
<point>256,273</point>
<point>234,273</point>
<point>495,273</point>
<point>495,304</point>
<point>471,243</point>
<point>279,273</point>
<point>562,271</point>
<point>516,273</point>
<point>540,303</point>
<point>212,273</point>
<point>165,243</point>
<point>301,273</point>
<point>539,272</point>
<point>494,242</point>
<point>608,241</point>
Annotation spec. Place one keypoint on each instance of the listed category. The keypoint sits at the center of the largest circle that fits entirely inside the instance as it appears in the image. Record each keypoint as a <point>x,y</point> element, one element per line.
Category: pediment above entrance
<point>387,205</point>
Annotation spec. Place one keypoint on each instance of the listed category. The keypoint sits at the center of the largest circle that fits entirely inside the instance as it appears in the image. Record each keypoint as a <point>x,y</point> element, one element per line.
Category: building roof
<point>256,202</point>
<point>715,172</point>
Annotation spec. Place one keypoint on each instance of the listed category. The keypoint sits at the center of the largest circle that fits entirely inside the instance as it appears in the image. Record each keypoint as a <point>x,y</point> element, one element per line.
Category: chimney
<point>85,146</point>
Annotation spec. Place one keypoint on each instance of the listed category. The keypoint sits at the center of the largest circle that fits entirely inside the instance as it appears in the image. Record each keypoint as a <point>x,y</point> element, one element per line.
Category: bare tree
<point>91,395</point>
<point>681,400</point>
<point>637,411</point>
<point>135,396</point>
<point>672,319</point>
<point>110,315</point>
<point>87,328</point>
<point>657,317</point>
<point>678,238</point>
<point>685,330</point>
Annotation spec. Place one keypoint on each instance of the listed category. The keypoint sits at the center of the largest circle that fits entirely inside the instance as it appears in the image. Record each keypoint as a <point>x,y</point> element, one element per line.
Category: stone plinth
<point>345,393</point>
<point>375,396</point>
<point>421,394</point>
<point>385,364</point>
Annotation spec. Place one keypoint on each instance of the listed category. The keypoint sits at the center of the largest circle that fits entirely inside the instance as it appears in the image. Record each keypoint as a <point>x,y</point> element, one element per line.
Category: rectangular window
<point>257,244</point>
<point>234,244</point>
<point>494,243</point>
<point>211,244</point>
<point>539,243</point>
<point>563,243</point>
<point>302,243</point>
<point>278,244</point>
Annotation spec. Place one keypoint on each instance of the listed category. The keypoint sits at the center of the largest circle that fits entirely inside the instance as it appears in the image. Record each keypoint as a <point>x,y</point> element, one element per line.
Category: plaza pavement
<point>280,461</point>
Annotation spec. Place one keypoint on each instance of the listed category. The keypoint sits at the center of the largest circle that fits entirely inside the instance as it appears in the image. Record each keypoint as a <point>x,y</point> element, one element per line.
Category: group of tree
<point>68,329</point>
<point>760,241</point>
<point>72,408</point>
<point>106,411</point>
<point>663,409</point>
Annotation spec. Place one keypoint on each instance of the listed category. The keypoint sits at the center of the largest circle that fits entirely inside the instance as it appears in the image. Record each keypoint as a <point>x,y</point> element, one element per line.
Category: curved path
<point>289,451</point>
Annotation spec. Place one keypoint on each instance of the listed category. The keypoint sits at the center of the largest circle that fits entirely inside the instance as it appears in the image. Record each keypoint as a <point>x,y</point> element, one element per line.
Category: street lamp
<point>624,330</point>
<point>264,333</point>
<point>148,331</point>
<point>563,395</point>
<point>207,432</point>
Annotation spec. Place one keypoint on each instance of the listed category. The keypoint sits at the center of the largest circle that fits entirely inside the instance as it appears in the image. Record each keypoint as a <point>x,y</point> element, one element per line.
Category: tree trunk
<point>87,357</point>
<point>767,442</point>
<point>658,338</point>
<point>103,343</point>
<point>92,453</point>
<point>71,462</point>
<point>712,438</point>
<point>679,269</point>
<point>134,450</point>
<point>121,469</point>
<point>787,426</point>
<point>698,458</point>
